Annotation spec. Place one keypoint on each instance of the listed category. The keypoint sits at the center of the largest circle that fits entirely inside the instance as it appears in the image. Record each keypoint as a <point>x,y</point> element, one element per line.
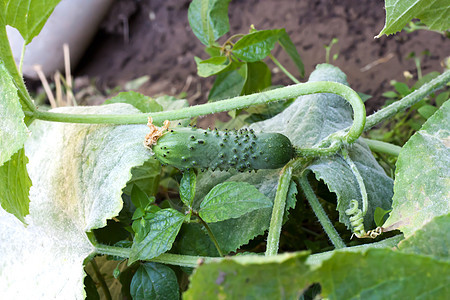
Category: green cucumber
<point>243,150</point>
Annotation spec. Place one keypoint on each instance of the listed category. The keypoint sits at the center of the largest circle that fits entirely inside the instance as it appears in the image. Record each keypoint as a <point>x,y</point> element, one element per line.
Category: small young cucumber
<point>243,150</point>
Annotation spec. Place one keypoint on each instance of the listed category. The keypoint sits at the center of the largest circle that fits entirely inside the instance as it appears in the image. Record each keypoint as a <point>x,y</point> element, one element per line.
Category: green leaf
<point>154,281</point>
<point>382,274</point>
<point>213,51</point>
<point>78,172</point>
<point>211,66</point>
<point>441,98</point>
<point>28,16</point>
<point>390,94</point>
<point>228,84</point>
<point>427,110</point>
<point>231,200</point>
<point>380,216</point>
<point>251,277</point>
<point>139,198</point>
<point>288,46</point>
<point>144,103</point>
<point>187,187</point>
<point>209,19</point>
<point>365,97</point>
<point>13,131</point>
<point>422,176</point>
<point>291,199</point>
<point>256,46</point>
<point>432,239</point>
<point>162,230</point>
<point>402,88</point>
<point>434,13</point>
<point>15,185</point>
<point>14,181</point>
<point>146,177</point>
<point>251,224</point>
<point>259,78</point>
<point>194,240</point>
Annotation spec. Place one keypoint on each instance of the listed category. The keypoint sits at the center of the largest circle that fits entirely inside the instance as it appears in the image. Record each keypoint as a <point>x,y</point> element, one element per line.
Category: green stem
<point>407,101</point>
<point>279,204</point>
<point>211,234</point>
<point>101,280</point>
<point>282,68</point>
<point>315,152</point>
<point>165,258</point>
<point>319,212</point>
<point>391,242</point>
<point>382,147</point>
<point>240,102</point>
<point>231,38</point>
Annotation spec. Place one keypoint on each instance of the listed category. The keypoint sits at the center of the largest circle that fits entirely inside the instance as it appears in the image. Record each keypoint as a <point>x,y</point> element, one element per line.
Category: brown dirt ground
<point>159,43</point>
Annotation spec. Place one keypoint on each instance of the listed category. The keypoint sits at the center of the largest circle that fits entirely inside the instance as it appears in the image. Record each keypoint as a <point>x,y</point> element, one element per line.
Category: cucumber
<point>243,150</point>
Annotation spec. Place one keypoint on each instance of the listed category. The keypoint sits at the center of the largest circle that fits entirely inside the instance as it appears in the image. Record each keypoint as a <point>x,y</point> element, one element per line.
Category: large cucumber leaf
<point>421,188</point>
<point>78,172</point>
<point>432,239</point>
<point>251,277</point>
<point>382,274</point>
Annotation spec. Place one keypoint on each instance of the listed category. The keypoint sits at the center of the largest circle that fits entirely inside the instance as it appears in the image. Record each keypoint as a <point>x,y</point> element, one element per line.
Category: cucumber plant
<point>93,196</point>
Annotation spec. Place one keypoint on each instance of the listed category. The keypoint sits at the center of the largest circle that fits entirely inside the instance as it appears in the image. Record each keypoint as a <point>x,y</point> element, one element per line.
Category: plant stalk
<point>279,204</point>
<point>282,68</point>
<point>165,258</point>
<point>382,147</point>
<point>407,101</point>
<point>319,212</point>
<point>211,235</point>
<point>240,102</point>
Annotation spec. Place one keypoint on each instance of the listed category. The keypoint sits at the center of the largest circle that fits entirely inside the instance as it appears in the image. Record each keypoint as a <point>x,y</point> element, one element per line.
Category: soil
<point>153,38</point>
